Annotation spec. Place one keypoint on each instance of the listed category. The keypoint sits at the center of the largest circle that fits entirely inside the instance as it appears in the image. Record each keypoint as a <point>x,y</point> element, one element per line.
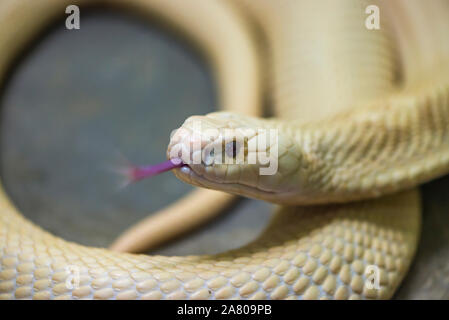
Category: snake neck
<point>375,150</point>
<point>366,152</point>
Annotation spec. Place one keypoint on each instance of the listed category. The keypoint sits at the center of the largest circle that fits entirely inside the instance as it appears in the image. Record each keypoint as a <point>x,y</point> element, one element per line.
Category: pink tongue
<point>142,172</point>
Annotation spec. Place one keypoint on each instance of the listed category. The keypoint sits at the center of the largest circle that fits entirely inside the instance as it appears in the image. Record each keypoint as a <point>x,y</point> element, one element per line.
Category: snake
<point>361,117</point>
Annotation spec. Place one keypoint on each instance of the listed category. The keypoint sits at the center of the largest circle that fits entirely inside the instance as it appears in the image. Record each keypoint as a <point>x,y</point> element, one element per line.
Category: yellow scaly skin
<point>360,133</point>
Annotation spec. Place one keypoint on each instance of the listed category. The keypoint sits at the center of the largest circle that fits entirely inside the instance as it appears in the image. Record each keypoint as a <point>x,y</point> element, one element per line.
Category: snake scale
<point>363,119</point>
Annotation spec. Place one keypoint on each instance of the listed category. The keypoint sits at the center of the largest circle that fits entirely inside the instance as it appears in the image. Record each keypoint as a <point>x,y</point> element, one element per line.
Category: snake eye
<point>231,149</point>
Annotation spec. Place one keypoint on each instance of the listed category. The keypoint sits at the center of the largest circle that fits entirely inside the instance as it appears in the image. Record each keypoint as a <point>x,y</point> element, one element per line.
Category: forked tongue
<point>137,173</point>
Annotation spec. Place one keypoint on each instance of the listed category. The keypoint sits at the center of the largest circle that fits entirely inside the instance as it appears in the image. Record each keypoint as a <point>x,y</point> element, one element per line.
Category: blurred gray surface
<point>82,100</point>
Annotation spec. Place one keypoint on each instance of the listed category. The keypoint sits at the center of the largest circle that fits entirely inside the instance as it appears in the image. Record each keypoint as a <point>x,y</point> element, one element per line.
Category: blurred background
<point>80,100</point>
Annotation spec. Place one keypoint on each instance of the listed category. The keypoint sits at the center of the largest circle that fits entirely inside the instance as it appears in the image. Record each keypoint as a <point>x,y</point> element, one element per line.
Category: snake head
<point>237,154</point>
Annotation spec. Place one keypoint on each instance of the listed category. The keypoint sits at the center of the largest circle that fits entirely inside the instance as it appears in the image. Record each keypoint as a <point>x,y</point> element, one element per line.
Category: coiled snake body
<point>362,117</point>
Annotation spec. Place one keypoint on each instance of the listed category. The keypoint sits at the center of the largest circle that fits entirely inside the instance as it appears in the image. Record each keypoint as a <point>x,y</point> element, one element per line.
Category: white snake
<point>363,118</point>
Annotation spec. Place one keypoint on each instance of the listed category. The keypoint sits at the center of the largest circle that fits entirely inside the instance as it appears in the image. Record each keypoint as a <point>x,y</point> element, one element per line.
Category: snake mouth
<point>188,174</point>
